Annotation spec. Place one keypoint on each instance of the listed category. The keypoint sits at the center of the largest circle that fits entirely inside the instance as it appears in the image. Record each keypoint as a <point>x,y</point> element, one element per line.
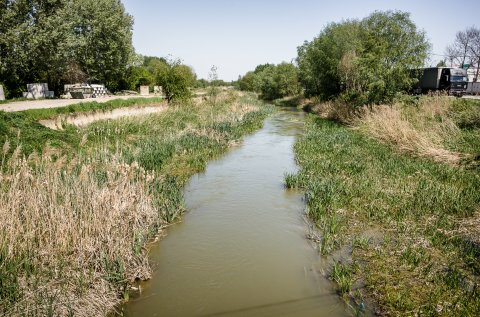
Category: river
<point>241,248</point>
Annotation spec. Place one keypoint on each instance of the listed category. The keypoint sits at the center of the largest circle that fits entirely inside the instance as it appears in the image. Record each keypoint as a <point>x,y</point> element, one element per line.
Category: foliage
<point>247,82</point>
<point>138,76</point>
<point>175,80</point>
<point>272,81</point>
<point>319,60</point>
<point>364,61</point>
<point>48,41</point>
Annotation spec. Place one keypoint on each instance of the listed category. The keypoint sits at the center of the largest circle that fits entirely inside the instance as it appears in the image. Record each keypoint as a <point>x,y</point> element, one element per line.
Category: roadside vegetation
<point>79,210</point>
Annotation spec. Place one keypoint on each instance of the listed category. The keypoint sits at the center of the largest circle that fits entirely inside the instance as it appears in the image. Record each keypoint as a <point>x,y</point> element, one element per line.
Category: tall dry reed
<point>423,131</point>
<point>71,233</point>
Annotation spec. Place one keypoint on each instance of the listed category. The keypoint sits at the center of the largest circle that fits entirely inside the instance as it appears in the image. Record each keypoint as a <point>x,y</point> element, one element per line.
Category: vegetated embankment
<point>78,212</point>
<point>394,193</point>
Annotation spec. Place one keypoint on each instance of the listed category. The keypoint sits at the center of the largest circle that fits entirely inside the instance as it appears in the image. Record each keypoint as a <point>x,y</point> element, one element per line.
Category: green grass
<point>6,101</point>
<point>22,128</point>
<point>421,262</point>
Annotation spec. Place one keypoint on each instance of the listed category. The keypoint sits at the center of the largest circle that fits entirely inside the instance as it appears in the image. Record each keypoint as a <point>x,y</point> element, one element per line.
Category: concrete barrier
<point>144,90</point>
<point>38,90</point>
<point>2,93</point>
<point>157,90</point>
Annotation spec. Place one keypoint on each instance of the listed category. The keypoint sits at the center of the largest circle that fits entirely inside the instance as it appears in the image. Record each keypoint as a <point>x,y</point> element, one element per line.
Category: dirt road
<point>55,103</point>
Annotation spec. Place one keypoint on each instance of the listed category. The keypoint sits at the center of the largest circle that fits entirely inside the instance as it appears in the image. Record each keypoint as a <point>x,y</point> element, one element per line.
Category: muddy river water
<point>241,249</point>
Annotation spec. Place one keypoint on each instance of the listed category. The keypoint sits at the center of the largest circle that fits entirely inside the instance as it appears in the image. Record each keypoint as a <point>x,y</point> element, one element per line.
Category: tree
<point>319,60</point>
<point>175,80</point>
<point>474,50</point>
<point>280,81</point>
<point>272,81</point>
<point>458,52</point>
<point>465,49</point>
<point>103,33</point>
<point>56,40</point>
<point>392,46</point>
<point>139,76</point>
<point>365,61</point>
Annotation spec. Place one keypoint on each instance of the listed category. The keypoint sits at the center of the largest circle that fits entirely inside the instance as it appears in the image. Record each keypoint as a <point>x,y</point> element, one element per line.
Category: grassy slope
<point>49,113</point>
<point>23,128</point>
<point>170,147</point>
<point>400,219</point>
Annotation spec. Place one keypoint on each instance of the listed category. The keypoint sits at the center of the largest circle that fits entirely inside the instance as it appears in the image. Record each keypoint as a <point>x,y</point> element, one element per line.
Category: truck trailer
<point>452,80</point>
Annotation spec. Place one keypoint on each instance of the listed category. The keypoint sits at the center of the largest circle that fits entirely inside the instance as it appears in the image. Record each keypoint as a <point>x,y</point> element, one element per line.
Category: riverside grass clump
<point>76,218</point>
<point>437,127</point>
<point>407,223</point>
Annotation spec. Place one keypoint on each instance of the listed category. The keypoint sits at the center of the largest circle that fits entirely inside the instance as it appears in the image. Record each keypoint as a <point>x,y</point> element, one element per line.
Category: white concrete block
<point>144,90</point>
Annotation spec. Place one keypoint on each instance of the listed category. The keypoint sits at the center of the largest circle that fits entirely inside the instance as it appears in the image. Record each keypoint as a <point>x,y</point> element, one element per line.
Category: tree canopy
<point>366,61</point>
<point>56,41</point>
<point>272,81</point>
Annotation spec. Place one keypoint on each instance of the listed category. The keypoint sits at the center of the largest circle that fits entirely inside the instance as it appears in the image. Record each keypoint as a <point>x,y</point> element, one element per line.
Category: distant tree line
<point>272,81</point>
<point>364,61</point>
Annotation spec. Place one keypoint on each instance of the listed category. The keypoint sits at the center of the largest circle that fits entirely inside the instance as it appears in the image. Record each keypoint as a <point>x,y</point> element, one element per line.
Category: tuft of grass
<point>343,275</point>
<point>424,131</point>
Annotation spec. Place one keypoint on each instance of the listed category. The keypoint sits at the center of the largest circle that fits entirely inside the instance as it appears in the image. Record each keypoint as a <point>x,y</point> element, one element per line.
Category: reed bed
<point>70,230</point>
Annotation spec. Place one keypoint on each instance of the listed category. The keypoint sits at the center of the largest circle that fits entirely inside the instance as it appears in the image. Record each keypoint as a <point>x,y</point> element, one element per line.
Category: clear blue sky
<point>237,35</point>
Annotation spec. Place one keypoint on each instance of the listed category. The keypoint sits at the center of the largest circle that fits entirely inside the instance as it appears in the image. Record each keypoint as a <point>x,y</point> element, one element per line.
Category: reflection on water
<point>241,248</point>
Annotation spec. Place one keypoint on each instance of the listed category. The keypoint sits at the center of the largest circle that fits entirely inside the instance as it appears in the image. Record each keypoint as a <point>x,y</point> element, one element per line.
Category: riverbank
<point>79,211</point>
<point>394,195</point>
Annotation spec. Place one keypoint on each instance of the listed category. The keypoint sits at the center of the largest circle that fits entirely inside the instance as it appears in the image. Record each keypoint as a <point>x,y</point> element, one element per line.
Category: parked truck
<point>452,80</point>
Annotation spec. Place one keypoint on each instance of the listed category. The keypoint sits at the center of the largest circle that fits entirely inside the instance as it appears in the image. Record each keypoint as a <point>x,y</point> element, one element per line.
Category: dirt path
<point>82,119</point>
<point>55,103</point>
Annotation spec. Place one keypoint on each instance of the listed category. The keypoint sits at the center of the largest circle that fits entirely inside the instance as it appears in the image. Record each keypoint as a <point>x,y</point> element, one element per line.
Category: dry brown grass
<point>422,131</point>
<point>70,230</point>
<point>335,110</point>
